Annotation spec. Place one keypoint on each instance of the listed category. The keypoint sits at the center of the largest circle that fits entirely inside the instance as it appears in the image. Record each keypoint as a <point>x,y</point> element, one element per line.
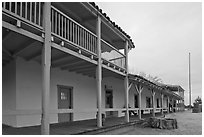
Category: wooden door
<point>64,102</point>
<point>109,102</point>
<point>136,100</point>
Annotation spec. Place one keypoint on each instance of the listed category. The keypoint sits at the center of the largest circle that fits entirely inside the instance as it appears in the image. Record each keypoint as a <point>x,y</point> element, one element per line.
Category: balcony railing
<point>62,26</point>
<point>30,12</point>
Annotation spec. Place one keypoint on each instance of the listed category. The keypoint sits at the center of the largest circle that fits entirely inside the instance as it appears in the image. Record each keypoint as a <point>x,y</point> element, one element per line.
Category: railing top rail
<point>73,20</point>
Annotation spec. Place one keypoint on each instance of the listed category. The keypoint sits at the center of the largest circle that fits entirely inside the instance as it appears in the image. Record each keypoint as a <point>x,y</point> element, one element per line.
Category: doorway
<point>136,100</point>
<point>65,98</point>
<point>109,102</point>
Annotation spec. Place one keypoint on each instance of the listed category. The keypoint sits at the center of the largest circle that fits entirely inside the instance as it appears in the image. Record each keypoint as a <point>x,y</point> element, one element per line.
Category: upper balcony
<point>75,24</point>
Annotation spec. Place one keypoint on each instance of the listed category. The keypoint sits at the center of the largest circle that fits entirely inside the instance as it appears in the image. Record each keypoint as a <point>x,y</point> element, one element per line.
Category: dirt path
<point>188,124</point>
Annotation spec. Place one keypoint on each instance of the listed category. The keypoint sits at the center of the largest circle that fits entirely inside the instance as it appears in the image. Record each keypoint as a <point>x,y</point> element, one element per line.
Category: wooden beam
<point>130,85</point>
<point>86,69</point>
<point>7,36</point>
<point>34,55</point>
<point>6,51</point>
<point>65,62</point>
<point>66,50</point>
<point>22,31</point>
<point>23,47</point>
<point>62,61</point>
<point>153,102</point>
<point>162,103</point>
<point>88,18</point>
<point>73,64</point>
<point>81,66</point>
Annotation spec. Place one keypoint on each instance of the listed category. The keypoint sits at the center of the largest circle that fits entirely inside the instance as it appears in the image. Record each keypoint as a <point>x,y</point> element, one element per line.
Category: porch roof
<point>146,82</point>
<point>113,23</point>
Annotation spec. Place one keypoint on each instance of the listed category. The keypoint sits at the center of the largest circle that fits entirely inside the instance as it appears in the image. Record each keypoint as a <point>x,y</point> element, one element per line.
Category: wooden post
<point>126,83</point>
<point>46,61</point>
<point>176,106</point>
<point>153,102</point>
<point>162,99</point>
<point>99,72</point>
<point>139,90</point>
<point>168,104</point>
<point>172,104</point>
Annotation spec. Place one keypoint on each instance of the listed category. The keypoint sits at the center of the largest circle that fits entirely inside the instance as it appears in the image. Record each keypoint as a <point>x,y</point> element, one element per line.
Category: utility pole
<point>189,78</point>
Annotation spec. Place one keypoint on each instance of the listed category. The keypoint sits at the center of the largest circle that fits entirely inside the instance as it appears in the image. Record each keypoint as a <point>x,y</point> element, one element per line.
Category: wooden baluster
<point>3,5</point>
<point>78,36</point>
<point>68,28</point>
<point>21,9</point>
<point>35,12</point>
<point>85,39</point>
<point>15,7</point>
<point>65,27</point>
<point>52,20</point>
<point>91,42</point>
<point>59,24</point>
<point>88,47</point>
<point>9,6</point>
<point>30,11</point>
<point>62,27</point>
<point>82,37</point>
<point>26,10</point>
<point>55,22</point>
<point>39,14</point>
<point>73,32</point>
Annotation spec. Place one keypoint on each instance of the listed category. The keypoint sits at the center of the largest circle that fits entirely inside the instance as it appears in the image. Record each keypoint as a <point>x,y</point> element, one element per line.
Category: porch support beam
<point>126,84</point>
<point>162,102</point>
<point>176,107</point>
<point>46,61</point>
<point>139,89</point>
<point>153,102</point>
<point>25,46</point>
<point>168,103</point>
<point>22,31</point>
<point>172,104</point>
<point>99,72</point>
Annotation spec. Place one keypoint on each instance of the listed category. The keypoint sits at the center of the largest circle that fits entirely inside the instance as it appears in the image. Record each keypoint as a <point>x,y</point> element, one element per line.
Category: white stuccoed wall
<point>29,88</point>
<point>9,94</point>
<point>22,87</point>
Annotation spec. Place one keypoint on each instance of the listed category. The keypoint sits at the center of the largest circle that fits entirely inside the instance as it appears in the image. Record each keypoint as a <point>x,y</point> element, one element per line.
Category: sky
<point>164,34</point>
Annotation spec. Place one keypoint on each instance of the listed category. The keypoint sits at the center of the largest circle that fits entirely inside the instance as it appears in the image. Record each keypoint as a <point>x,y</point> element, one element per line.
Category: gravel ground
<point>188,124</point>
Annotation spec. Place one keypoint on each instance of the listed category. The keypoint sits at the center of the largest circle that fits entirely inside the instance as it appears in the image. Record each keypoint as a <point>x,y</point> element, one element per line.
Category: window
<point>63,96</point>
<point>148,102</point>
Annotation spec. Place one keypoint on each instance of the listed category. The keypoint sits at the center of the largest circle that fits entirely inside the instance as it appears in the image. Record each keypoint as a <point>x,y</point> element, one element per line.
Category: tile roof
<point>113,23</point>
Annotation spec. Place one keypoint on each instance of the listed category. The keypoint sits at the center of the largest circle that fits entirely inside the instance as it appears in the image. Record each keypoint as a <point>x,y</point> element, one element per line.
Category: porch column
<point>98,72</point>
<point>139,90</point>
<point>46,61</point>
<point>162,102</point>
<point>153,102</point>
<point>172,104</point>
<point>126,84</point>
<point>168,104</point>
<point>176,105</point>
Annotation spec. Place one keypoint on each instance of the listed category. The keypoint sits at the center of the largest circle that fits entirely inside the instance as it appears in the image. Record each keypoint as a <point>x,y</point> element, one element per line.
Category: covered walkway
<point>76,127</point>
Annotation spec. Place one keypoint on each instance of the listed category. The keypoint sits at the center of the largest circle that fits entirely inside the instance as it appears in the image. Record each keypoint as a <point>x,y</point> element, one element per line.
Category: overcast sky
<point>164,34</point>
